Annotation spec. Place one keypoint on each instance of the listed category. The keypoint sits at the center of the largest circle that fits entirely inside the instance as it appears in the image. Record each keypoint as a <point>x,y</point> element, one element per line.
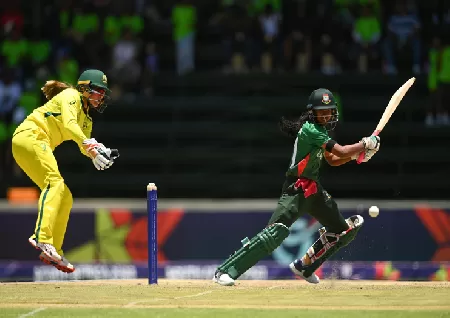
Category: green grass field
<point>198,298</point>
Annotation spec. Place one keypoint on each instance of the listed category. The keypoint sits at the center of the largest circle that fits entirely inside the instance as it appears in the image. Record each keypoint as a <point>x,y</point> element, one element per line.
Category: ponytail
<point>53,88</point>
<point>292,127</point>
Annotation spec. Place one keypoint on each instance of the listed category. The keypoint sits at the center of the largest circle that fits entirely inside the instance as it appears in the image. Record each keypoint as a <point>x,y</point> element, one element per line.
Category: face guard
<point>95,94</point>
<point>323,99</point>
<point>331,122</point>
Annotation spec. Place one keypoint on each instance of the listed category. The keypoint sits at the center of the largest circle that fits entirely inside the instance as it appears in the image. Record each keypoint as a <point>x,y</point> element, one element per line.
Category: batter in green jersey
<point>302,193</point>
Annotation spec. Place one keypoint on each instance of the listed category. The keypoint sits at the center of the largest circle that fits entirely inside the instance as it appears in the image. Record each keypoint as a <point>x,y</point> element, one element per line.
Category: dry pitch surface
<point>199,298</point>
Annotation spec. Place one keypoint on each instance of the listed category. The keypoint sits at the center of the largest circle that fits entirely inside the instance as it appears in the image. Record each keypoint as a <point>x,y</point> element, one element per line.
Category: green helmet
<point>94,82</point>
<point>320,99</point>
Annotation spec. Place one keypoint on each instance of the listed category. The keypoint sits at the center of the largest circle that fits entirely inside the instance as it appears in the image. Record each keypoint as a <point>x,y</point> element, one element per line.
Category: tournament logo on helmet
<point>326,99</point>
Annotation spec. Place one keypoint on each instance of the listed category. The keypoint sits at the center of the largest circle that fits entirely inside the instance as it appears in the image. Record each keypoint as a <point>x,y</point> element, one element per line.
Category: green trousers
<point>321,206</point>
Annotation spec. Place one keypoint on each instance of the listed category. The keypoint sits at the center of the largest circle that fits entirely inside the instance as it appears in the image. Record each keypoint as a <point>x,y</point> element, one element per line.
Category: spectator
<point>112,29</point>
<point>270,26</point>
<point>257,7</point>
<point>11,18</point>
<point>403,31</point>
<point>333,45</point>
<point>303,37</point>
<point>234,23</point>
<point>442,116</point>
<point>344,10</point>
<point>366,34</point>
<point>29,99</point>
<point>67,68</point>
<point>151,68</point>
<point>85,24</point>
<point>14,49</point>
<point>184,18</point>
<point>39,51</point>
<point>433,104</point>
<point>10,91</point>
<point>126,69</point>
<point>132,21</point>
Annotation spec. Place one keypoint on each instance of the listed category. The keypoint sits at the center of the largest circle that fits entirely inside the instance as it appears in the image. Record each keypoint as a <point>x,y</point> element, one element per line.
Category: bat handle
<point>361,155</point>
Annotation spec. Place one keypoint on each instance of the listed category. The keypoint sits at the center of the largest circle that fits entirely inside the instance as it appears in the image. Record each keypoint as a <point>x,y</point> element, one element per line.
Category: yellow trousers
<point>32,152</point>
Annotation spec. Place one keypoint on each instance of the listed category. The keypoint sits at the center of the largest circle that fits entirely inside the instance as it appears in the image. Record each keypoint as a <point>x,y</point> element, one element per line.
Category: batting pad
<point>329,243</point>
<point>263,244</point>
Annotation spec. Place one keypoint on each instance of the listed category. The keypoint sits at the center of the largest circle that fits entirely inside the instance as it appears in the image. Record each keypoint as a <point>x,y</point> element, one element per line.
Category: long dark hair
<point>292,127</point>
<point>53,88</point>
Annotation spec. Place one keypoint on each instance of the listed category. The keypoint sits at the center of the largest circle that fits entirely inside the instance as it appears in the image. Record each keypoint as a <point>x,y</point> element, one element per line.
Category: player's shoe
<point>46,248</point>
<point>297,268</point>
<point>223,279</point>
<point>63,265</point>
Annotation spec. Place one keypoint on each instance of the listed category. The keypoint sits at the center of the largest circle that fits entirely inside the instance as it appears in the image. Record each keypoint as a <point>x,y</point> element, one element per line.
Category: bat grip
<point>361,155</point>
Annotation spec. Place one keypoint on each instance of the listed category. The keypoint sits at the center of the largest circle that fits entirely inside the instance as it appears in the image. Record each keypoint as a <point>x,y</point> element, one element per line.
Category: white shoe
<point>46,248</point>
<point>63,265</point>
<point>223,279</point>
<point>313,279</point>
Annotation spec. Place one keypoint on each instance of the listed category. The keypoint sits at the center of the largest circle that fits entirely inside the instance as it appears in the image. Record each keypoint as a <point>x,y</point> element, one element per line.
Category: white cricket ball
<point>374,211</point>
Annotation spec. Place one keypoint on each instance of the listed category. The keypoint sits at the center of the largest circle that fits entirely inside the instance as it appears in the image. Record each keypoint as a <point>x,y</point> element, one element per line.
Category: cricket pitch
<point>199,298</point>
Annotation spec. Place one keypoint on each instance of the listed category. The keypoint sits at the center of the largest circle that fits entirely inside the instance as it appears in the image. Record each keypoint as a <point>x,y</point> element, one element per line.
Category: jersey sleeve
<point>87,132</point>
<point>70,105</point>
<point>313,136</point>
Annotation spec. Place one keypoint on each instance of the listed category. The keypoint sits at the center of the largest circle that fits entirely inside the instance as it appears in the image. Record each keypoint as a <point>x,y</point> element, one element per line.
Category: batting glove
<point>368,154</point>
<point>371,143</point>
<point>99,154</point>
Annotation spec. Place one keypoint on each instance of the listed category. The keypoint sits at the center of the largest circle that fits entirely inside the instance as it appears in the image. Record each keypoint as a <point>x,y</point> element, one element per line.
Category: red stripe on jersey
<point>302,165</point>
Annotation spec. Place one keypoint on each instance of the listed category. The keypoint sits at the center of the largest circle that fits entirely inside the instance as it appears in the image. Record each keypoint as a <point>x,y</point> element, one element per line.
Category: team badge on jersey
<point>326,99</point>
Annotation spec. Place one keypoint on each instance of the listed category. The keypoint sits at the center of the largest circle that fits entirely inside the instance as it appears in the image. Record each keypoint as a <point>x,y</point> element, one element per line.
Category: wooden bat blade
<point>390,109</point>
<point>393,103</point>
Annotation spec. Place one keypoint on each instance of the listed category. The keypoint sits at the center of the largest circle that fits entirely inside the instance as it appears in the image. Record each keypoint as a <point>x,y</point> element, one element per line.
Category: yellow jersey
<point>61,118</point>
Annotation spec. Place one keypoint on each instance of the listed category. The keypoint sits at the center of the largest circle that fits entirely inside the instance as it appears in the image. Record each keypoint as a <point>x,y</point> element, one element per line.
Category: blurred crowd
<point>132,41</point>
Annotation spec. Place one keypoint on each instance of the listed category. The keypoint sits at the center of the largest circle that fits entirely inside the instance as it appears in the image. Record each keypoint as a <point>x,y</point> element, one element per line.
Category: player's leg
<point>33,154</point>
<point>336,233</point>
<point>261,245</point>
<point>62,219</point>
<point>59,232</point>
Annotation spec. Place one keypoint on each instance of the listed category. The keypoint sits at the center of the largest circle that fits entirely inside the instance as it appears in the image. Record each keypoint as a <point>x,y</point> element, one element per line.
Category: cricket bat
<point>390,109</point>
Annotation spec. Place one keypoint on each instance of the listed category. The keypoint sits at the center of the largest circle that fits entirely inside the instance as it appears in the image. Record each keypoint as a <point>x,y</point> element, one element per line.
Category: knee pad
<point>252,251</point>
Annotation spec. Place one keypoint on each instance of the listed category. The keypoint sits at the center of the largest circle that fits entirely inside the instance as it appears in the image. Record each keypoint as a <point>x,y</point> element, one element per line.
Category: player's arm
<point>334,160</point>
<point>83,151</point>
<point>348,151</point>
<point>341,152</point>
<point>69,110</point>
<point>337,155</point>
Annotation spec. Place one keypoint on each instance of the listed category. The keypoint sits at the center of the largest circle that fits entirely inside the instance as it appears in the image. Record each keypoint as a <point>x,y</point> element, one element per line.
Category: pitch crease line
<point>32,313</point>
<point>160,299</point>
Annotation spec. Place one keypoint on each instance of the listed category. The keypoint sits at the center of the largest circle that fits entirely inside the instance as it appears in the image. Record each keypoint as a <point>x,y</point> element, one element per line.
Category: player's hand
<point>99,154</point>
<point>111,155</point>
<point>368,154</point>
<point>371,143</point>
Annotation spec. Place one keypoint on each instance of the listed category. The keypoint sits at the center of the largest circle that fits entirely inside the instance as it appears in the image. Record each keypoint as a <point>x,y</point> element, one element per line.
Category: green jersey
<point>308,152</point>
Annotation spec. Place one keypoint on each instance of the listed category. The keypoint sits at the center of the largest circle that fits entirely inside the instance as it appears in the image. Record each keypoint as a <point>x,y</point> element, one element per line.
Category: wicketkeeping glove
<point>100,155</point>
<point>371,143</point>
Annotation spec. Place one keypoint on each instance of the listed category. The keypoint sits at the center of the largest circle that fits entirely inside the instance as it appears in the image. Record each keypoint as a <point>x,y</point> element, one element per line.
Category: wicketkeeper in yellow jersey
<point>64,117</point>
